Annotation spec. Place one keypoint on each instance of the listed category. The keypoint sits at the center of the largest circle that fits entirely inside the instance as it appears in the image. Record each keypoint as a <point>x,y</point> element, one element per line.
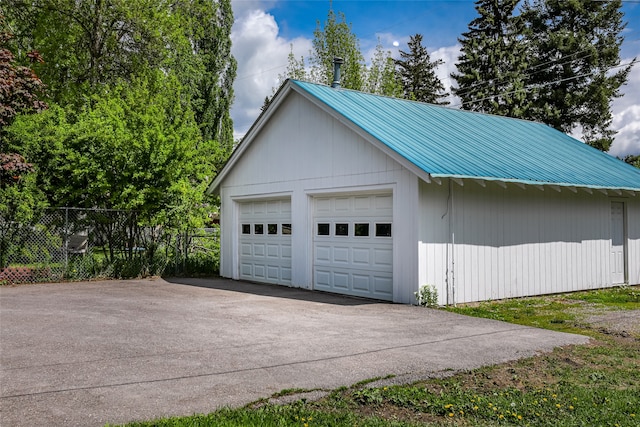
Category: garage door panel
<point>357,261</point>
<point>246,270</point>
<point>286,251</point>
<point>383,257</point>
<point>259,271</point>
<point>273,272</point>
<point>342,204</point>
<point>340,255</point>
<point>361,256</point>
<point>341,280</point>
<point>259,250</point>
<point>245,249</point>
<point>265,246</point>
<point>361,282</point>
<point>273,251</point>
<point>322,254</point>
<point>322,279</point>
<point>383,284</point>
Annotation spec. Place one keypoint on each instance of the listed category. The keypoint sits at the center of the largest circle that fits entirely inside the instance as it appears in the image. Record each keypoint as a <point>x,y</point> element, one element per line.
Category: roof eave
<point>570,186</point>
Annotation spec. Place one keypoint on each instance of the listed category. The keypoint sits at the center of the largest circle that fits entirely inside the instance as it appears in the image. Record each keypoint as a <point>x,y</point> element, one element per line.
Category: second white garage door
<point>353,245</point>
<point>265,241</point>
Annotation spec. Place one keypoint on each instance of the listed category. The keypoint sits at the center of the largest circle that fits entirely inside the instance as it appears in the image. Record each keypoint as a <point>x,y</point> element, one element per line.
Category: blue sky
<point>265,31</point>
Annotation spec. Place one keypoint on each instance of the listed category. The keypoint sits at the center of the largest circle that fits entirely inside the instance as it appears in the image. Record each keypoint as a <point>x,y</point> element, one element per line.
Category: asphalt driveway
<point>91,353</point>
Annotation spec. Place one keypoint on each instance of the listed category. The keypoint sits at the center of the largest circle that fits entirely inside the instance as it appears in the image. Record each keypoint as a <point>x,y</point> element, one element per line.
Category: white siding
<point>516,242</point>
<point>303,152</point>
<point>633,239</point>
<point>509,242</point>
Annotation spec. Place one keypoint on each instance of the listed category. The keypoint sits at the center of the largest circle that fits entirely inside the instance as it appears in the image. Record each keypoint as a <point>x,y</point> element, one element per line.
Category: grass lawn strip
<point>593,384</point>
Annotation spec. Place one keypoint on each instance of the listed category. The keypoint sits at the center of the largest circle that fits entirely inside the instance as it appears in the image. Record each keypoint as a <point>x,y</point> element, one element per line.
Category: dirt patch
<point>624,323</point>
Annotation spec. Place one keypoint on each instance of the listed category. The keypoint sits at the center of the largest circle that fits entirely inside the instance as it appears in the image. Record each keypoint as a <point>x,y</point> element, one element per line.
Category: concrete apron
<point>92,353</point>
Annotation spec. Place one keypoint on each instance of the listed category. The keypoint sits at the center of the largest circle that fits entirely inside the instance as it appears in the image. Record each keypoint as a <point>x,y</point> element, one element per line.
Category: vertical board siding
<point>300,153</point>
<point>633,240</point>
<point>512,242</point>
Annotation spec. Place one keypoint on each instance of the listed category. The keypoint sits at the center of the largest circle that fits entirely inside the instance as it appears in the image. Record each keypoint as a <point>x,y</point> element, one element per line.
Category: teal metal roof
<point>446,142</point>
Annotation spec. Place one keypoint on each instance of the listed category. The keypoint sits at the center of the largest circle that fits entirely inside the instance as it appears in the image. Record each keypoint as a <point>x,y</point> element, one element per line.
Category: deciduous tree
<point>382,76</point>
<point>92,43</point>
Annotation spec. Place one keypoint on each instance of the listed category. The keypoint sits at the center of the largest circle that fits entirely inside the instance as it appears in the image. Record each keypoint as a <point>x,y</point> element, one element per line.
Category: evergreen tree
<point>576,71</point>
<point>491,67</point>
<point>417,71</point>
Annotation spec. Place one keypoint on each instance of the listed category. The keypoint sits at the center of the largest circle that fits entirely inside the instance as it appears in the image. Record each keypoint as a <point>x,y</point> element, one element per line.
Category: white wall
<point>301,152</point>
<point>515,242</point>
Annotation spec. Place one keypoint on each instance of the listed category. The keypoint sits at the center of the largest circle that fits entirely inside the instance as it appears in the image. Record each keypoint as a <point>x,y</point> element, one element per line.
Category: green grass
<point>593,384</point>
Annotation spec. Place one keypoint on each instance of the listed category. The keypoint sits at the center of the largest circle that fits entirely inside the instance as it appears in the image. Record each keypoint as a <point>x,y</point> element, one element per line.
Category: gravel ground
<point>624,322</point>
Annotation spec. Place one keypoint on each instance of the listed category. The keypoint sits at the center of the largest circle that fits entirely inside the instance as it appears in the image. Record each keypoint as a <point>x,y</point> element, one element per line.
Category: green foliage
<point>417,71</point>
<point>427,296</point>
<point>88,44</point>
<point>623,297</point>
<point>575,52</point>
<point>136,147</point>
<point>297,414</point>
<point>382,78</point>
<point>633,160</point>
<point>493,61</point>
<point>335,39</point>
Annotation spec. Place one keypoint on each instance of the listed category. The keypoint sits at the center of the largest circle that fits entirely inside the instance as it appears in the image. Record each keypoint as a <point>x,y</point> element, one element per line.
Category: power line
<point>560,61</point>
<point>537,86</point>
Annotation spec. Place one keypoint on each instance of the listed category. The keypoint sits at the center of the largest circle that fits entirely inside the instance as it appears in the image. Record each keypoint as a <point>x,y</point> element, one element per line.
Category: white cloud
<point>262,53</point>
<point>626,117</point>
<point>262,56</point>
<point>450,56</point>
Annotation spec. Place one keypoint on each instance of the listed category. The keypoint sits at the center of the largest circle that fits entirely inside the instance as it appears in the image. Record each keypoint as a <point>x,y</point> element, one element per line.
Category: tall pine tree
<point>418,74</point>
<point>576,71</point>
<point>493,61</point>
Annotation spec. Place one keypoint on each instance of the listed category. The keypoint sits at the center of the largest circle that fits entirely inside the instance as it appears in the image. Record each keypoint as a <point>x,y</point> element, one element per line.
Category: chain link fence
<point>81,244</point>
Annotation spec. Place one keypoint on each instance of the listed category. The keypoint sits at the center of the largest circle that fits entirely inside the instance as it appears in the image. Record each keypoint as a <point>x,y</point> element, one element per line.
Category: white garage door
<point>353,245</point>
<point>265,241</point>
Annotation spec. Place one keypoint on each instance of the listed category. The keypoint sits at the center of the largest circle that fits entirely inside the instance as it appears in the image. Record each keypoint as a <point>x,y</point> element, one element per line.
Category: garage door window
<point>383,230</point>
<point>286,229</point>
<point>272,229</point>
<point>258,229</point>
<point>342,229</point>
<point>246,228</point>
<point>361,230</point>
<point>323,229</point>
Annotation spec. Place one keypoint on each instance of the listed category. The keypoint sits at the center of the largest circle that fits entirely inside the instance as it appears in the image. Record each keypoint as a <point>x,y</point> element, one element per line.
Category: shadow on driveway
<point>90,353</point>
<point>275,291</point>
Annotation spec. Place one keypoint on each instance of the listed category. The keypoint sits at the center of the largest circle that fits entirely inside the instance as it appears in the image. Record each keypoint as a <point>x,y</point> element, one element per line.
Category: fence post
<point>177,235</point>
<point>66,240</point>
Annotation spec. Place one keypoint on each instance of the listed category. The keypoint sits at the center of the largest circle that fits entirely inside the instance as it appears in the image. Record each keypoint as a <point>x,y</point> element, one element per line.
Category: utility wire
<point>537,86</point>
<point>560,61</point>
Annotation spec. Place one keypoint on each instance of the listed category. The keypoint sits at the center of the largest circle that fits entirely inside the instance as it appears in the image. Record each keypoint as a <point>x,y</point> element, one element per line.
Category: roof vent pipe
<point>337,62</point>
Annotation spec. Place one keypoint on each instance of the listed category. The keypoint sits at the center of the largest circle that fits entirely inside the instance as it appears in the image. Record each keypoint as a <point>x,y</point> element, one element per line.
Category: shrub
<point>427,296</point>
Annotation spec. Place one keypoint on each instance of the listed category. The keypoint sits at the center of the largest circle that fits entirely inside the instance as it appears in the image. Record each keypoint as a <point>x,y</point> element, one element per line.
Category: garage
<point>265,241</point>
<point>353,245</point>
